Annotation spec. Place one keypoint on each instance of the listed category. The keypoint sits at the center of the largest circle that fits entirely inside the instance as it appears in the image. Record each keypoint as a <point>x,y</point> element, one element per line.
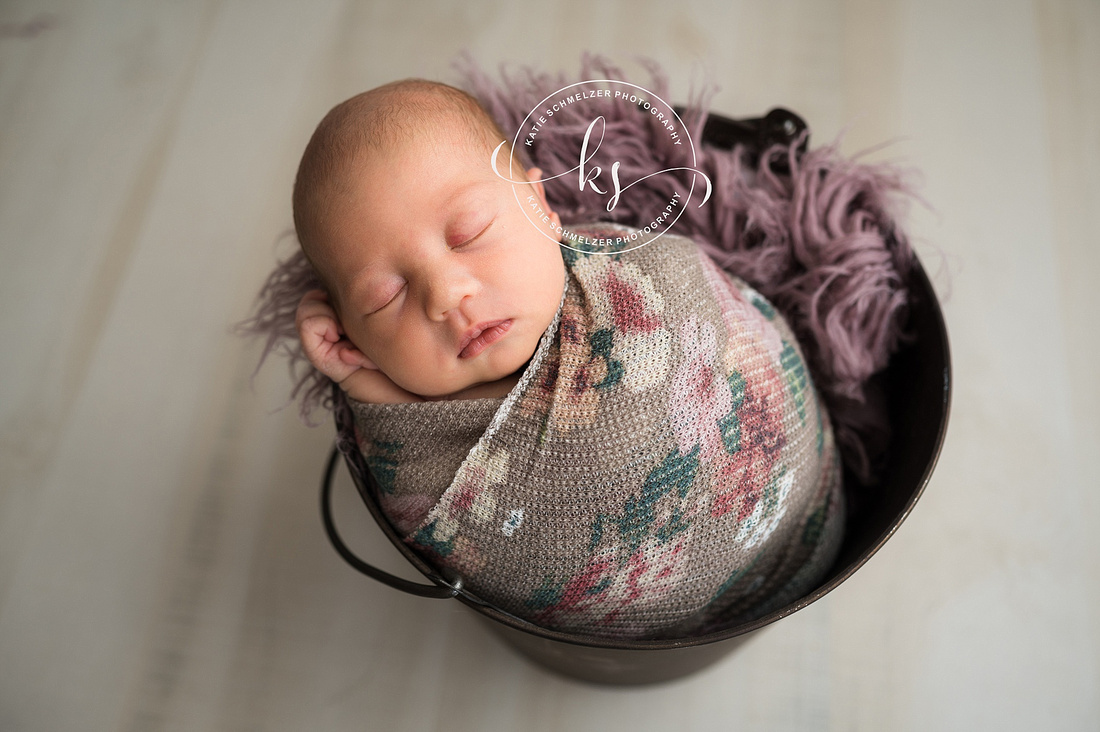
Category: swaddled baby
<point>620,445</point>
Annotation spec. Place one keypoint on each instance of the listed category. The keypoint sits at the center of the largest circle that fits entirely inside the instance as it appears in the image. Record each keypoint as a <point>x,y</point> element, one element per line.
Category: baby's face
<point>438,276</point>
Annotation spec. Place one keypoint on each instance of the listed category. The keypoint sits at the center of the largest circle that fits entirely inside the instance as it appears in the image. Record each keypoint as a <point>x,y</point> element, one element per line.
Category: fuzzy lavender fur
<point>274,322</point>
<point>819,242</point>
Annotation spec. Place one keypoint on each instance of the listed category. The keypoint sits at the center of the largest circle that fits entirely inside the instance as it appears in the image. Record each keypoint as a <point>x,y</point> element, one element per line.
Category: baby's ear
<point>534,175</point>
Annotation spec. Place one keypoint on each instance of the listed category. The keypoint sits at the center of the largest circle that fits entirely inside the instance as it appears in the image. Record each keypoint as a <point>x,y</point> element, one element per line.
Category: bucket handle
<point>442,589</point>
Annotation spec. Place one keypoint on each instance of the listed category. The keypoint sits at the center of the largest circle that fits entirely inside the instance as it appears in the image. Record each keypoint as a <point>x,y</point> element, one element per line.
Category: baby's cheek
<point>406,366</point>
<point>367,346</point>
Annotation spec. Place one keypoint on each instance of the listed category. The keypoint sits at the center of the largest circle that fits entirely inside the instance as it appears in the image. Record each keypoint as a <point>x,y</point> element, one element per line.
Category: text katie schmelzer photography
<point>540,121</point>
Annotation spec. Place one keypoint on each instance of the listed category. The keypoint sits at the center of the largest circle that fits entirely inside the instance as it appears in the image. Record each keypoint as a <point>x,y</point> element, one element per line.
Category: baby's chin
<point>473,389</point>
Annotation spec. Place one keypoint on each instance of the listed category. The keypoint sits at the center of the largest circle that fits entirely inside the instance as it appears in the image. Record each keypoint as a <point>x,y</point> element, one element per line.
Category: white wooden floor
<point>162,563</point>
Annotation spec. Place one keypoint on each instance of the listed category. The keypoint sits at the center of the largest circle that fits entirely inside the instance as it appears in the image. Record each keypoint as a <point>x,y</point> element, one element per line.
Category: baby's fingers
<point>352,356</point>
<point>315,304</point>
<point>318,332</point>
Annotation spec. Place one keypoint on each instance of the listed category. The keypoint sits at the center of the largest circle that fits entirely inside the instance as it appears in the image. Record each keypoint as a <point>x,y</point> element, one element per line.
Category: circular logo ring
<point>642,99</point>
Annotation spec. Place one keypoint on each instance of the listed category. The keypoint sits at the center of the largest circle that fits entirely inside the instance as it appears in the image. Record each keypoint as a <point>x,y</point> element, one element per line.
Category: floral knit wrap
<point>663,466</point>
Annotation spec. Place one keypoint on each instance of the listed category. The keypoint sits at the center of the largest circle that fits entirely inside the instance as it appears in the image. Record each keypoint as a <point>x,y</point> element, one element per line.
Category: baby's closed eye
<point>465,234</point>
<point>389,293</point>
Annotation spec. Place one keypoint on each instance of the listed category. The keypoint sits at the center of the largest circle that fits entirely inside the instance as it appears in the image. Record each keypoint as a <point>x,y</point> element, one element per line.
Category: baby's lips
<point>482,336</point>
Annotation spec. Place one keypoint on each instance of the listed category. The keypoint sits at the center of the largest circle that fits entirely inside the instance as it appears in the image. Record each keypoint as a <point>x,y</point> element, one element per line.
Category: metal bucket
<point>917,384</point>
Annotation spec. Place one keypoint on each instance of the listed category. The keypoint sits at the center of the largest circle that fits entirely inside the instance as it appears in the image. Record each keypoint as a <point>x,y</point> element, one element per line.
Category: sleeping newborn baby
<point>619,445</point>
<point>438,286</point>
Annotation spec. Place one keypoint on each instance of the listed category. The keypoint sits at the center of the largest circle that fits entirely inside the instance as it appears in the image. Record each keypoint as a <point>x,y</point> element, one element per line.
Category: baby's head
<point>436,274</point>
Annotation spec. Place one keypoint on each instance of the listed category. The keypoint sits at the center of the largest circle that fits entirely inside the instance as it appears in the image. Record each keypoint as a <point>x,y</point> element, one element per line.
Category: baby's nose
<point>448,291</point>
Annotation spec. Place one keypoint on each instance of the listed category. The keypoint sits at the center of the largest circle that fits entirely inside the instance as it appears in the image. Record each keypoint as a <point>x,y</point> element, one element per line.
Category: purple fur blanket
<point>820,242</point>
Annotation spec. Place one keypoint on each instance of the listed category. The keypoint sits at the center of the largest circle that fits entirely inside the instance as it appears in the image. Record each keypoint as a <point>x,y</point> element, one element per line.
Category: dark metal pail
<point>917,385</point>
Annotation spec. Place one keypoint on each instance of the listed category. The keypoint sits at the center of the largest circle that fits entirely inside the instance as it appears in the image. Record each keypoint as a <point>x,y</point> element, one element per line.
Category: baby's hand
<point>323,339</point>
<point>337,357</point>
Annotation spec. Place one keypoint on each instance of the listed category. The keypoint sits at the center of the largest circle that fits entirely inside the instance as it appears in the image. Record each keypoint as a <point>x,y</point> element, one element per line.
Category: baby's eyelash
<point>473,238</point>
<point>392,298</point>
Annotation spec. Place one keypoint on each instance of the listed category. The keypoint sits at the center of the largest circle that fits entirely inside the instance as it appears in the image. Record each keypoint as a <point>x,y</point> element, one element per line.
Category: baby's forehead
<point>436,152</point>
<point>398,184</point>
